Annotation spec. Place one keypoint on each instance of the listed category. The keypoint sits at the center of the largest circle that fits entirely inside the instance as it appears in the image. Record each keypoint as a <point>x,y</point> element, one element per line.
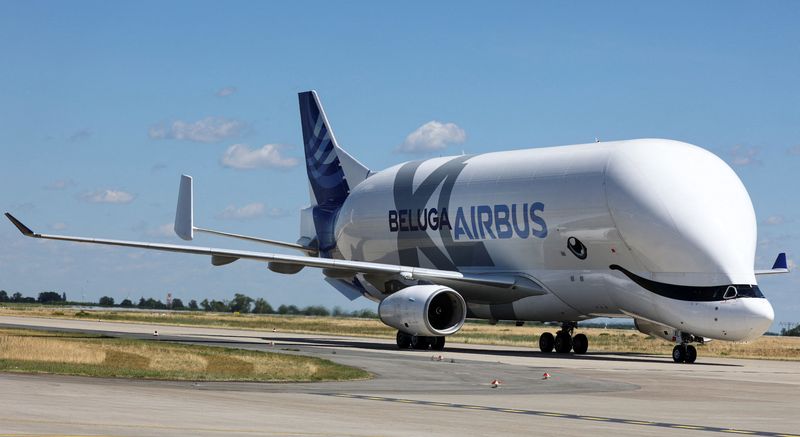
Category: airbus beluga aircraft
<point>660,231</point>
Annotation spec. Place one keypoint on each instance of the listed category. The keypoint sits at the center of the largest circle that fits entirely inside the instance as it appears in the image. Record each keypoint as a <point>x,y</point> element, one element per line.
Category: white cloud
<point>242,157</point>
<point>159,232</point>
<point>249,211</point>
<point>744,156</point>
<point>227,91</point>
<point>774,220</point>
<point>277,212</point>
<point>207,130</point>
<point>108,196</point>
<point>163,231</point>
<point>432,136</point>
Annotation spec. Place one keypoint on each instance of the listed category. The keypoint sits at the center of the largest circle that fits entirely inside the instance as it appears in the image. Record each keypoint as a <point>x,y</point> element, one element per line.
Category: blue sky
<point>104,104</point>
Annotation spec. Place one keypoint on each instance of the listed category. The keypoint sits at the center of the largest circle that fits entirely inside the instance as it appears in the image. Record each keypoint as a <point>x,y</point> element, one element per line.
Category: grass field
<point>600,340</point>
<point>76,354</point>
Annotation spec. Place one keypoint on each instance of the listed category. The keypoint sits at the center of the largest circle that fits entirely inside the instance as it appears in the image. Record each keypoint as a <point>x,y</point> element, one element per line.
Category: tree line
<point>792,332</point>
<point>240,303</point>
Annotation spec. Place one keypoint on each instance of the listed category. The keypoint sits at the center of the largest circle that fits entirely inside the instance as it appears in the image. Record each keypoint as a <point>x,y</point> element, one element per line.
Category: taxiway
<point>412,393</point>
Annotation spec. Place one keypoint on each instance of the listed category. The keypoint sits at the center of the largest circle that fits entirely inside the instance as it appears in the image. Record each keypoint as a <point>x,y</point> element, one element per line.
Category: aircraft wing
<point>514,284</point>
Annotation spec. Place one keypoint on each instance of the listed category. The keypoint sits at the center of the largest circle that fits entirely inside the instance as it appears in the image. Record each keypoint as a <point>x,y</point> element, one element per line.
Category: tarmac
<point>412,392</point>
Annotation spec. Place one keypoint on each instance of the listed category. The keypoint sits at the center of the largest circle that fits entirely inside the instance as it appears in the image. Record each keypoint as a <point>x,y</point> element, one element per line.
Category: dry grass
<point>33,351</point>
<point>600,340</point>
<point>14,347</point>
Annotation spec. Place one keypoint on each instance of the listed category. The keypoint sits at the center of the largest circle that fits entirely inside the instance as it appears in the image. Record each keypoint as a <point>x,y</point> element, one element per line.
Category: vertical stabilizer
<point>332,172</point>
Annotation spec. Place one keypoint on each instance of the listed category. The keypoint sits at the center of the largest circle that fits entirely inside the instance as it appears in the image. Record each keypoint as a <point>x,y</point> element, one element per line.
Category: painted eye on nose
<point>577,248</point>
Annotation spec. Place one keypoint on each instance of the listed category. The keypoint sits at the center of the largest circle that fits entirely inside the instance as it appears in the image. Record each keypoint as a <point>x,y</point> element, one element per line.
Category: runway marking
<point>563,415</point>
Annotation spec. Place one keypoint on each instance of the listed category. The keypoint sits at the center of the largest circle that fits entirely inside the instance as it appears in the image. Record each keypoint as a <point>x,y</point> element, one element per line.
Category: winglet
<point>184,214</point>
<point>26,231</point>
<point>780,262</point>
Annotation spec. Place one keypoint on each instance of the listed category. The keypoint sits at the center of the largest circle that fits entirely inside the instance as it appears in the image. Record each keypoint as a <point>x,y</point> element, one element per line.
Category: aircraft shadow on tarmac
<point>356,344</point>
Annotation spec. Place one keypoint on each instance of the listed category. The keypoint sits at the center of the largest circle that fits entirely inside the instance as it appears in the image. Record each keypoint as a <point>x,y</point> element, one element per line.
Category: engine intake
<point>429,310</point>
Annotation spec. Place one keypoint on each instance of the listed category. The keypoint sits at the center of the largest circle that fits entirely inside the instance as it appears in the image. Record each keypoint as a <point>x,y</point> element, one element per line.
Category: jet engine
<point>425,310</point>
<point>655,329</point>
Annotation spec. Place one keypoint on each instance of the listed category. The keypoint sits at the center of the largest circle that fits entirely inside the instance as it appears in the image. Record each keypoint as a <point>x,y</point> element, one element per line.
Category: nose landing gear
<point>563,341</point>
<point>683,352</point>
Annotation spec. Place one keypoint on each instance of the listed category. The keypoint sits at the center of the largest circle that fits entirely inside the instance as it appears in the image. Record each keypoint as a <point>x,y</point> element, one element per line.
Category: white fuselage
<point>666,211</point>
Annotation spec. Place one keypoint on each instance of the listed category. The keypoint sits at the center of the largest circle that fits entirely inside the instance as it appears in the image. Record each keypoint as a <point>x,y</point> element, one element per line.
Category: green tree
<point>3,296</point>
<point>106,301</point>
<point>177,304</point>
<point>126,303</point>
<point>219,306</point>
<point>16,297</point>
<point>193,305</point>
<point>214,305</point>
<point>316,310</point>
<point>793,332</point>
<point>240,303</point>
<point>261,306</point>
<point>48,297</point>
<point>364,314</point>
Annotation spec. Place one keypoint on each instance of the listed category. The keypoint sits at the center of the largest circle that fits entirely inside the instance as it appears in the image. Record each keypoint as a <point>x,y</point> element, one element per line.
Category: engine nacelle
<point>655,329</point>
<point>428,310</point>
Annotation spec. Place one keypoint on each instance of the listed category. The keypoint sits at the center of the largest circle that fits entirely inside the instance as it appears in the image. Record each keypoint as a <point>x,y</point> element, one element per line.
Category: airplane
<point>656,230</point>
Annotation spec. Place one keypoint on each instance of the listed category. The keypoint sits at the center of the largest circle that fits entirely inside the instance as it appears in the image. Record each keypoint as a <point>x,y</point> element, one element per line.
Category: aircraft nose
<point>760,315</point>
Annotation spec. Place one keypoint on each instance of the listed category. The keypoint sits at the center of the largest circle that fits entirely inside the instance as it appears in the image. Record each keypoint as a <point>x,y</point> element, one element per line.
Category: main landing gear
<point>683,352</point>
<point>563,341</point>
<point>420,342</point>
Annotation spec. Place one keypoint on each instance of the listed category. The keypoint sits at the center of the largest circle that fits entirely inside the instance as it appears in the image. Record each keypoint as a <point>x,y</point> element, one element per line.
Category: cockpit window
<point>749,291</point>
<point>730,292</point>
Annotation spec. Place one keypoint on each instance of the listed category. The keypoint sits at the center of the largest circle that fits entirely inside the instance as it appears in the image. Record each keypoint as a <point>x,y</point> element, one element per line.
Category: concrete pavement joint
<point>563,415</point>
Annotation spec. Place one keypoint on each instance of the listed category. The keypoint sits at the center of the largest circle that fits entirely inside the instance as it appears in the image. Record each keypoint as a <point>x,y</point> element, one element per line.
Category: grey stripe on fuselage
<point>461,254</point>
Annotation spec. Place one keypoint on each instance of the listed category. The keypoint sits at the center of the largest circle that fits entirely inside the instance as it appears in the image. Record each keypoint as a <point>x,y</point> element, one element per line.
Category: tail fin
<point>332,172</point>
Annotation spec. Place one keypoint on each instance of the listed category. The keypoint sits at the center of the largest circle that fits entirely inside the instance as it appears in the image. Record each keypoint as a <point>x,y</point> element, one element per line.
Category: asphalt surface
<point>412,393</point>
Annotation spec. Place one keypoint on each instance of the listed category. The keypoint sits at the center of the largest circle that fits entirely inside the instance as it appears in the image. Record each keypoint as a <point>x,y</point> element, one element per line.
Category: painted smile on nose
<point>693,293</point>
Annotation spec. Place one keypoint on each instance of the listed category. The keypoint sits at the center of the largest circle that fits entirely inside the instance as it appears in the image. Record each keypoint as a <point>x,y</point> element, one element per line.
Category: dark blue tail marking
<point>322,164</point>
<point>780,262</point>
